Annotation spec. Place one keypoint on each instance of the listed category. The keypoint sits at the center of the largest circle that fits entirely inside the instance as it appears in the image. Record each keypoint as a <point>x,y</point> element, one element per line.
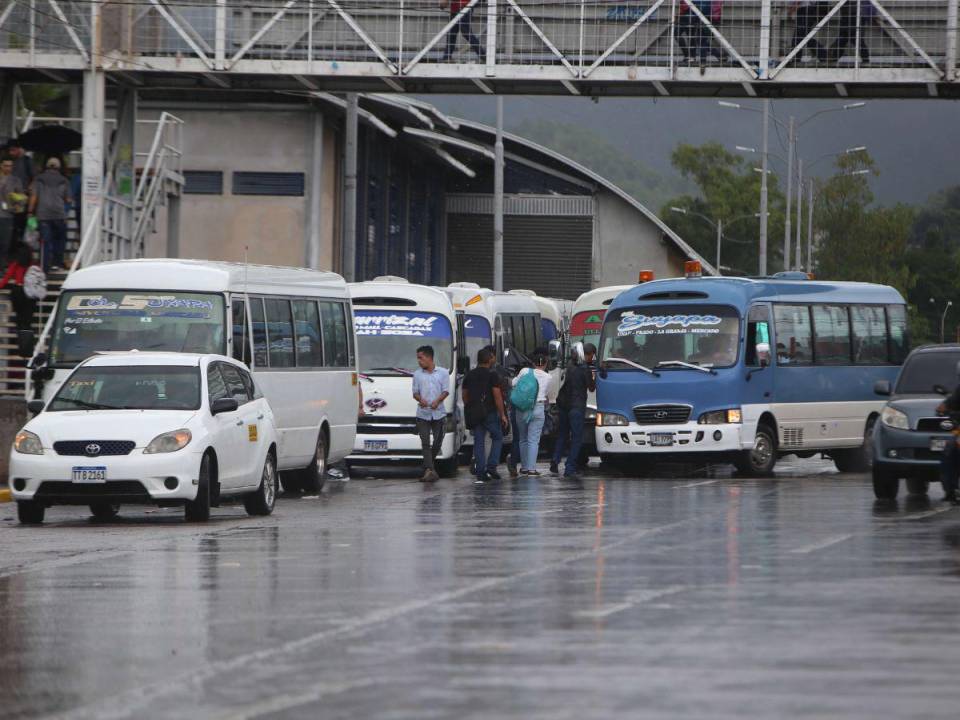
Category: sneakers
<point>430,476</point>
<point>493,475</point>
<point>554,468</point>
<point>572,476</point>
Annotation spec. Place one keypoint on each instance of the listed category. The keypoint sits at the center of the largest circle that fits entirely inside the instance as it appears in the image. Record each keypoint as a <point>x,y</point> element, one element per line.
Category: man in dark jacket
<point>948,463</point>
<point>572,404</point>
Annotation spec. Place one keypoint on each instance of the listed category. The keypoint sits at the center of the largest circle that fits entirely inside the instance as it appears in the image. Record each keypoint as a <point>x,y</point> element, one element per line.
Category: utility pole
<point>348,256</point>
<point>799,213</point>
<point>810,226</point>
<point>498,202</point>
<point>791,142</point>
<point>763,189</point>
<point>719,243</point>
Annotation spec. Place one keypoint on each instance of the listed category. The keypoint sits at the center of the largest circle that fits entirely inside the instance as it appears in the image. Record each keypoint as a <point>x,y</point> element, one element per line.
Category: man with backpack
<point>572,404</point>
<point>485,414</point>
<point>529,400</point>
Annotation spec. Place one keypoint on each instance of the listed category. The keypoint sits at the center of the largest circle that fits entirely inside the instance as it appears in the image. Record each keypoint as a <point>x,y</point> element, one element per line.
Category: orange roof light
<point>693,269</point>
<point>646,276</point>
<point>474,300</point>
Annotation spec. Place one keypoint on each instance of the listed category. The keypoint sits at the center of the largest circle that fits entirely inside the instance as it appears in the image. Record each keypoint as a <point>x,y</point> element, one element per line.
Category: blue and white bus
<point>747,370</point>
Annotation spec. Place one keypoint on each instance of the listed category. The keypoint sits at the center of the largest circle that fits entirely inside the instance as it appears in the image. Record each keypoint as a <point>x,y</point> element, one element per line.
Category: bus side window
<point>758,335</point>
<point>899,340</point>
<point>534,334</point>
<point>241,332</point>
<point>335,344</point>
<point>259,322</point>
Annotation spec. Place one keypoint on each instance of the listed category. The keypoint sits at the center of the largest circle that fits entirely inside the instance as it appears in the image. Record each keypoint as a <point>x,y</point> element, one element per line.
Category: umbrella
<point>51,140</point>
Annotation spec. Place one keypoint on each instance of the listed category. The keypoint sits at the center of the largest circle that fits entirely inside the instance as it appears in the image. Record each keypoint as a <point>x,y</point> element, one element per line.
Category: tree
<point>729,190</point>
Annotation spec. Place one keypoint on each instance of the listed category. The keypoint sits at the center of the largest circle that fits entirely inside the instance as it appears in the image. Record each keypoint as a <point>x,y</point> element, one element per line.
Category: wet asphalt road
<point>688,595</point>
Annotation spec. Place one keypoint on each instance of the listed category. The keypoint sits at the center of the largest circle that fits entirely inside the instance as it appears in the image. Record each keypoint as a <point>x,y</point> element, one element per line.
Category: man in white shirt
<point>431,386</point>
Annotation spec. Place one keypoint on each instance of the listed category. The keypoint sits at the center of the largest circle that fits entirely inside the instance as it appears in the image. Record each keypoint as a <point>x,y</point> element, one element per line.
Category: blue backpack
<point>524,394</point>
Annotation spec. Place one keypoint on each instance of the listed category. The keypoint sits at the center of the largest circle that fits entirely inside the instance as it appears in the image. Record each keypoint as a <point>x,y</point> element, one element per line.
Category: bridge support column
<point>313,239</point>
<point>92,200</point>
<point>953,9</point>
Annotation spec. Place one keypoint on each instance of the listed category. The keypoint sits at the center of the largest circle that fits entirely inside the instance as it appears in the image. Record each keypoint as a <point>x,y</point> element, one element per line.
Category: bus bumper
<point>673,439</point>
<point>373,449</point>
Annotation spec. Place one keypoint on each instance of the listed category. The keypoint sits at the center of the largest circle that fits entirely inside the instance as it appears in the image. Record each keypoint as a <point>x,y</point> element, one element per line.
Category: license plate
<point>375,445</point>
<point>938,444</point>
<point>661,439</point>
<point>89,474</point>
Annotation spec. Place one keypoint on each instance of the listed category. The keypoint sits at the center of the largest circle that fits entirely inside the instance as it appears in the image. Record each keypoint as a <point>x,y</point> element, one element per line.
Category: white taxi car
<point>168,429</point>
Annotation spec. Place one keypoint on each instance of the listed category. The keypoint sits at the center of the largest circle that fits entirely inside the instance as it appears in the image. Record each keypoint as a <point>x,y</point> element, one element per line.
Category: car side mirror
<point>224,405</point>
<point>763,354</point>
<point>882,387</point>
<point>36,406</point>
<point>42,374</point>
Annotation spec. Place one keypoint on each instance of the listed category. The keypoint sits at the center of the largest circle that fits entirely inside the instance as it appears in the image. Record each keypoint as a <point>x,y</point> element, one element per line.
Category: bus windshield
<point>387,340</point>
<point>104,320</point>
<point>585,326</point>
<point>705,335</point>
<point>477,335</point>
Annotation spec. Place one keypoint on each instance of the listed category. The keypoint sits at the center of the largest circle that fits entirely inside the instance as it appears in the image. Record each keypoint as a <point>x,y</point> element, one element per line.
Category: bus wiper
<point>399,371</point>
<point>689,366</point>
<point>632,364</point>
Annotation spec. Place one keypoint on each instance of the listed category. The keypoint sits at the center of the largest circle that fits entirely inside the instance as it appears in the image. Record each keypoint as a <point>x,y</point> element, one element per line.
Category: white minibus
<point>392,319</point>
<point>292,327</point>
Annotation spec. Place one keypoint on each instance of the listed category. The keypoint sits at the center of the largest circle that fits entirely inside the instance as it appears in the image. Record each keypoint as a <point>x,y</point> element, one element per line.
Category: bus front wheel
<point>761,459</point>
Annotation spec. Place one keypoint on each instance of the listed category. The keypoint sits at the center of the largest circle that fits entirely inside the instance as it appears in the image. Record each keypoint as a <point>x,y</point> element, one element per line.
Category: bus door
<point>757,390</point>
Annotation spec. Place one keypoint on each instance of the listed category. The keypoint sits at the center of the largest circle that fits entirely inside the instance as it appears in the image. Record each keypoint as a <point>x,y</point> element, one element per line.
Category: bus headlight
<point>891,417</point>
<point>611,420</point>
<point>721,417</point>
<point>169,442</point>
<point>27,443</point>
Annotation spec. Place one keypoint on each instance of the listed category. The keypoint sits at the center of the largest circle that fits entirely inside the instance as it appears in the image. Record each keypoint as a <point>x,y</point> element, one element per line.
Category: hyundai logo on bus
<point>634,323</point>
<point>660,415</point>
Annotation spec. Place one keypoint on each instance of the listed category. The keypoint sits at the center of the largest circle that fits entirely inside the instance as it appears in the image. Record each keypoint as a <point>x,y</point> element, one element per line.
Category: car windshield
<point>130,387</point>
<point>924,371</point>
<point>704,335</point>
<point>387,340</point>
<point>94,321</point>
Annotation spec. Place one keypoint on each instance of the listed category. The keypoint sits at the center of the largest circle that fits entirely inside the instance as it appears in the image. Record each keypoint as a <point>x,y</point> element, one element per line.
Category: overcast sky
<point>914,142</point>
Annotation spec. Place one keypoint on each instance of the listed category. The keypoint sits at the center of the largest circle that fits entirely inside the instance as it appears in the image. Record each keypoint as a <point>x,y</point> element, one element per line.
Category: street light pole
<point>943,319</point>
<point>799,212</point>
<point>763,189</point>
<point>719,242</point>
<point>810,226</point>
<point>786,222</point>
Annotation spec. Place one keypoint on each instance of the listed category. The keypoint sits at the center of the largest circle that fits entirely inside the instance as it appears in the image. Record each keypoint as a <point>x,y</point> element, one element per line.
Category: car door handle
<point>240,422</point>
<point>260,416</point>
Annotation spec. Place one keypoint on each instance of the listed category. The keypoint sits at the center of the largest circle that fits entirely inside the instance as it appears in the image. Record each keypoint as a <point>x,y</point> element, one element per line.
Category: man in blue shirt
<point>431,386</point>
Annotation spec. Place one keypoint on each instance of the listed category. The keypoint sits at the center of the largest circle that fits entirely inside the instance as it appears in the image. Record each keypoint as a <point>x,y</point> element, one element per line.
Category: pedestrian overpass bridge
<point>907,48</point>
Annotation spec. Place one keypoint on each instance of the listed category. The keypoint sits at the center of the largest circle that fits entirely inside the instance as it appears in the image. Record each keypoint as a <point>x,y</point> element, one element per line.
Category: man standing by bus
<point>572,403</point>
<point>431,386</point>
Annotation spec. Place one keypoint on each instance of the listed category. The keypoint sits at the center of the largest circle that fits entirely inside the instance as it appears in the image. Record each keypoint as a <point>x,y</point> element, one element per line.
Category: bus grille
<point>662,414</point>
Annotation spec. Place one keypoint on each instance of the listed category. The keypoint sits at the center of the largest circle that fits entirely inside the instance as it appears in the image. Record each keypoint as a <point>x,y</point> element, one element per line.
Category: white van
<point>585,324</point>
<point>292,327</point>
<point>392,319</point>
<point>554,326</point>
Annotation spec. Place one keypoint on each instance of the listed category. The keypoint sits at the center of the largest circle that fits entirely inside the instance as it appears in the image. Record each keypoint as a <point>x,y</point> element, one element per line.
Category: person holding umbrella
<point>48,203</point>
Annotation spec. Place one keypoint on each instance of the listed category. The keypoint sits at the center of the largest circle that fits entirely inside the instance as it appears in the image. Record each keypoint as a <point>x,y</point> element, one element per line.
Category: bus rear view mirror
<point>763,354</point>
<point>882,387</point>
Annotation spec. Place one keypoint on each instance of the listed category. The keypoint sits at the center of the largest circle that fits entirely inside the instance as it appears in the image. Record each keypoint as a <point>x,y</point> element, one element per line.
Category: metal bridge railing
<point>760,37</point>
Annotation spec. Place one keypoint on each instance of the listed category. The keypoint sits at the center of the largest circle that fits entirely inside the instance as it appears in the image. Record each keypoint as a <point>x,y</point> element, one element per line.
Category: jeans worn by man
<point>949,466</point>
<point>53,234</point>
<point>485,465</point>
<point>569,438</point>
<point>513,462</point>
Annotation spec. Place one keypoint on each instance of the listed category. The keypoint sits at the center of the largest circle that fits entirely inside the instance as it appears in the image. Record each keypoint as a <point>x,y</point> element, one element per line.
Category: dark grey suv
<point>908,441</point>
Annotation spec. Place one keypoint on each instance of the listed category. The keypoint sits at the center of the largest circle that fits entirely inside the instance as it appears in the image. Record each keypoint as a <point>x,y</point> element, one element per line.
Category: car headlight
<point>721,417</point>
<point>169,442</point>
<point>891,417</point>
<point>27,443</point>
<point>611,420</point>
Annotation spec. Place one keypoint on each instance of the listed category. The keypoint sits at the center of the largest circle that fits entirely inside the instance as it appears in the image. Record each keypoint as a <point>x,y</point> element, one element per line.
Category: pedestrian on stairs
<point>24,306</point>
<point>48,201</point>
<point>12,201</point>
<point>23,170</point>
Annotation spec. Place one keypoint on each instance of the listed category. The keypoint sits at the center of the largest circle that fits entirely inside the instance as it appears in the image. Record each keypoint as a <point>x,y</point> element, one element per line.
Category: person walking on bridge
<point>461,27</point>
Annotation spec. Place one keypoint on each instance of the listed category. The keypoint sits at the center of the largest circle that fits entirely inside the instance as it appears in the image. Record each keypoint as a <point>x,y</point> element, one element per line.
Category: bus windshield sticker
<point>144,306</point>
<point>402,324</point>
<point>632,323</point>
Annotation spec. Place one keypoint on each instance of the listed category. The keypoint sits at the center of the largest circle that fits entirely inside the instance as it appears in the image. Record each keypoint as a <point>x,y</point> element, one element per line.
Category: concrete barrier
<point>13,416</point>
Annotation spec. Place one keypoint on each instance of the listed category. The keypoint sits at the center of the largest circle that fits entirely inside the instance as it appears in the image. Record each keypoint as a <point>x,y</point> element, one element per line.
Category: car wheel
<point>104,511</point>
<point>262,501</point>
<point>917,486</point>
<point>198,510</point>
<point>315,475</point>
<point>30,512</point>
<point>886,484</point>
<point>759,461</point>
